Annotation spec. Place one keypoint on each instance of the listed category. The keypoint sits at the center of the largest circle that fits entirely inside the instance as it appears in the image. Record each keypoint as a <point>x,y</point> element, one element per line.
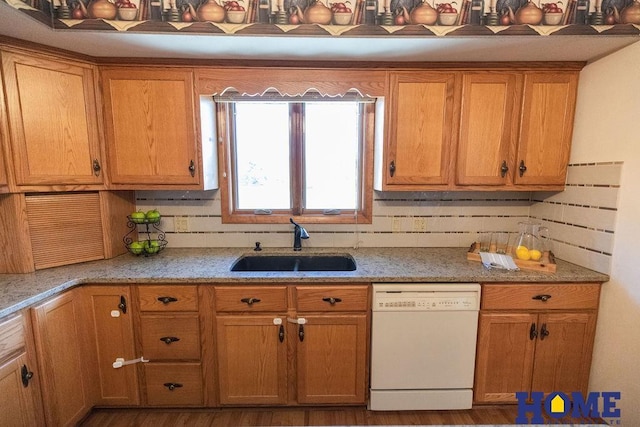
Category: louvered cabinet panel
<point>65,228</point>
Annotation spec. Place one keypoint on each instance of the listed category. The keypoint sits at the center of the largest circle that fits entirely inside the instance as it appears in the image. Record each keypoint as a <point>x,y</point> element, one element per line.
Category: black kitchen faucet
<point>298,233</point>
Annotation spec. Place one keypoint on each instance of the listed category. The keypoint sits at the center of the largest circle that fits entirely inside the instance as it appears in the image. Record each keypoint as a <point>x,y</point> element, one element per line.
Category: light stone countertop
<point>212,265</point>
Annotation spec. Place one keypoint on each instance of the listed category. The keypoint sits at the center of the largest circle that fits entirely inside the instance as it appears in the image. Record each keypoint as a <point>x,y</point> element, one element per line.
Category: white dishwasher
<point>423,345</point>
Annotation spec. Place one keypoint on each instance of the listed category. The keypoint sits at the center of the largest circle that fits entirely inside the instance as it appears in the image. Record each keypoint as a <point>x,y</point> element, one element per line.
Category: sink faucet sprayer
<point>298,233</point>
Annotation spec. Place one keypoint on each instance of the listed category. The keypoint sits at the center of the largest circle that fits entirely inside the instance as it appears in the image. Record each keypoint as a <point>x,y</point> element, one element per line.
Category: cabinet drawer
<point>542,297</point>
<point>168,298</point>
<point>12,337</point>
<point>332,298</point>
<point>170,337</point>
<point>173,384</point>
<point>251,298</point>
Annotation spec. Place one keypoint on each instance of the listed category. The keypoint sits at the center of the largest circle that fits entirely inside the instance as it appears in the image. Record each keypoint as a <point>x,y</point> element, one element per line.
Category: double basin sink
<point>316,262</point>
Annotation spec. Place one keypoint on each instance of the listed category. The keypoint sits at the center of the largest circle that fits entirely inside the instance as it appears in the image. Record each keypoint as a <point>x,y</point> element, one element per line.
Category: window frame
<point>232,215</point>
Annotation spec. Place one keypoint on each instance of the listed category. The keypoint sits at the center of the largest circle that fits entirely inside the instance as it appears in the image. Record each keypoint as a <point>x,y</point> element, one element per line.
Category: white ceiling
<point>211,46</point>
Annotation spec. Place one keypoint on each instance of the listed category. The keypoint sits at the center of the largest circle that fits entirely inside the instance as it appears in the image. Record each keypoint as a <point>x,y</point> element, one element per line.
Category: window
<point>307,156</point>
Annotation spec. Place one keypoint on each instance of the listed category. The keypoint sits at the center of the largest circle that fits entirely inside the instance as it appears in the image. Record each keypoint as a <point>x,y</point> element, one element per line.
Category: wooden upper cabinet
<point>488,128</point>
<point>421,125</point>
<point>53,126</point>
<point>549,100</point>
<point>150,125</point>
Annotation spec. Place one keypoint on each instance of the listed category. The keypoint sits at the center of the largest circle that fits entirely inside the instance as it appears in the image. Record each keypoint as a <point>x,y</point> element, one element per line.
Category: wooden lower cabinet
<point>541,348</point>
<point>110,315</point>
<point>252,359</point>
<point>332,359</point>
<point>292,345</point>
<point>170,337</point>
<point>20,399</point>
<point>62,348</point>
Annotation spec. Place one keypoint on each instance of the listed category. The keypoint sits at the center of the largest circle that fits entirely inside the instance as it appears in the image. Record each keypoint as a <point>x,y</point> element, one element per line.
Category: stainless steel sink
<point>317,262</point>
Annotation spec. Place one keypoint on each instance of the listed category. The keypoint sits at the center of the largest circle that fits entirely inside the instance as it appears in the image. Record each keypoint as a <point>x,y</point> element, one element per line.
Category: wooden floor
<point>490,415</point>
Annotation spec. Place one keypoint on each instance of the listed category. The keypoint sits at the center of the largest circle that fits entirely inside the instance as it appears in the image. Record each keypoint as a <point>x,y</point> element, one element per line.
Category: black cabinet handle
<point>167,300</point>
<point>332,300</point>
<point>504,169</point>
<point>543,331</point>
<point>123,304</point>
<point>543,297</point>
<point>26,375</point>
<point>250,301</point>
<point>281,333</point>
<point>96,167</point>
<point>522,168</point>
<point>169,340</point>
<point>192,168</point>
<point>172,386</point>
<point>532,332</point>
<point>301,332</point>
<point>392,168</point>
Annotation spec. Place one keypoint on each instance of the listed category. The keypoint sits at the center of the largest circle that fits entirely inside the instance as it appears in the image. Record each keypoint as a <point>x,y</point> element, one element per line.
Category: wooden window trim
<point>231,216</point>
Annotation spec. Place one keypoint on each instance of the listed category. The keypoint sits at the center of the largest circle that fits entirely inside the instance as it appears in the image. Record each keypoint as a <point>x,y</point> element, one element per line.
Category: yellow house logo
<point>558,405</point>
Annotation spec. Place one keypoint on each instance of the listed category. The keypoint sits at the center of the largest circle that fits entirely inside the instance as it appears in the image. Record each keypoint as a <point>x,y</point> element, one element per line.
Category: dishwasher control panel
<point>426,297</point>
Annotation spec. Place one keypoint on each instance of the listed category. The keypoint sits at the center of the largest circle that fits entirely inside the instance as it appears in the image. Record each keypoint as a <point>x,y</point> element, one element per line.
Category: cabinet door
<point>421,127</point>
<point>62,351</point>
<point>488,128</point>
<point>252,359</point>
<point>20,399</point>
<point>150,126</point>
<point>19,407</point>
<point>53,121</point>
<point>563,352</point>
<point>546,127</point>
<point>332,356</point>
<point>505,356</point>
<point>111,331</point>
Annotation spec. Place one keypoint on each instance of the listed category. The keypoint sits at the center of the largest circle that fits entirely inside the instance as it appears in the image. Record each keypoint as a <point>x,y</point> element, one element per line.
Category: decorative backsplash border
<point>581,219</point>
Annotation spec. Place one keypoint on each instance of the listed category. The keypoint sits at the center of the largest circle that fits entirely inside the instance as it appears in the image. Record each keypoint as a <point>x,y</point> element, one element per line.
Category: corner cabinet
<point>150,126</point>
<point>550,331</point>
<point>62,347</point>
<point>53,123</point>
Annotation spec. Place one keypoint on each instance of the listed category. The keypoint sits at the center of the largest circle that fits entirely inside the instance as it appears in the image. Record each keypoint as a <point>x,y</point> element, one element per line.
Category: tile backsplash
<point>581,219</point>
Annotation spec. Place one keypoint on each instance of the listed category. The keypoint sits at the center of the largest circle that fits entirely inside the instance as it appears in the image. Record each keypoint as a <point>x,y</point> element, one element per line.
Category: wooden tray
<point>546,264</point>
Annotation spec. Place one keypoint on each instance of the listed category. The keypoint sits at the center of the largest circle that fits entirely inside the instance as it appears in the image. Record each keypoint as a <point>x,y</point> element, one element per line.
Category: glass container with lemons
<point>532,241</point>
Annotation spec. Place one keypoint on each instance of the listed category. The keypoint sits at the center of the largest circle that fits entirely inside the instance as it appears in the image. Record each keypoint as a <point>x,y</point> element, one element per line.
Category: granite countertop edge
<point>212,265</point>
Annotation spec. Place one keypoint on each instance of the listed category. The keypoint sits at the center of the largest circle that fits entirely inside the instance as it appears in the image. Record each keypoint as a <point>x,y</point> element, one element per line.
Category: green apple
<point>136,248</point>
<point>153,215</point>
<point>151,247</point>
<point>138,217</point>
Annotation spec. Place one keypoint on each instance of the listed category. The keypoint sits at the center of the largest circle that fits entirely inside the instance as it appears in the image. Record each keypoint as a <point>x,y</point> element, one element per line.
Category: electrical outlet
<point>395,225</point>
<point>181,224</point>
<point>419,224</point>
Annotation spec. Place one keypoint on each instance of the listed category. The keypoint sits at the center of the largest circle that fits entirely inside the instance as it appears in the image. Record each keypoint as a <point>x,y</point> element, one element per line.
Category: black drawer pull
<point>169,340</point>
<point>543,297</point>
<point>167,300</point>
<point>543,331</point>
<point>332,300</point>
<point>26,375</point>
<point>532,332</point>
<point>172,386</point>
<point>250,301</point>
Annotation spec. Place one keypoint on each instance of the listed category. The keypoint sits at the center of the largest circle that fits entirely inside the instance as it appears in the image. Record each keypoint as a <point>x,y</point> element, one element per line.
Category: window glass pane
<point>262,155</point>
<point>331,155</point>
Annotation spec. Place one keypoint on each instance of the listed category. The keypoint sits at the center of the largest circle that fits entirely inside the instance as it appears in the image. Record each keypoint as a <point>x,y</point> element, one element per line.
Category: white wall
<point>607,128</point>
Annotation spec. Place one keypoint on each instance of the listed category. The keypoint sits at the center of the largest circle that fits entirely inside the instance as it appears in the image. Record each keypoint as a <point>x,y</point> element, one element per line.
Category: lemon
<point>535,254</point>
<point>522,252</point>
